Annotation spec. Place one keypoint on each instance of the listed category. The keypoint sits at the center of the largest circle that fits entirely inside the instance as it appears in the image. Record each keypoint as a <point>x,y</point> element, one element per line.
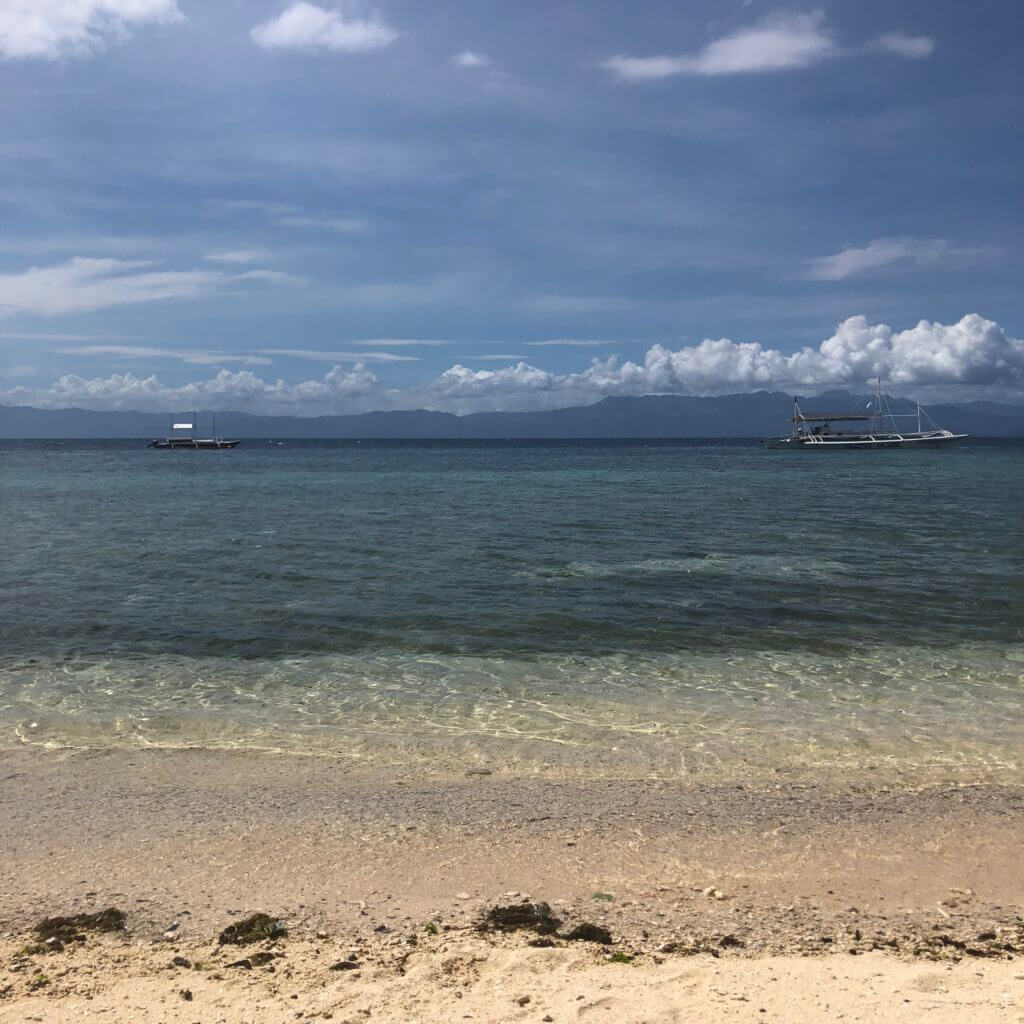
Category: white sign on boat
<point>181,426</point>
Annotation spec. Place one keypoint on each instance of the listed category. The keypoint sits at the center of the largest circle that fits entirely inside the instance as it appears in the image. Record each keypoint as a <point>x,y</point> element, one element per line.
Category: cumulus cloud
<point>973,352</point>
<point>85,284</point>
<point>49,29</point>
<point>884,252</point>
<point>461,382</point>
<point>305,26</point>
<point>469,59</point>
<point>241,390</point>
<point>780,43</point>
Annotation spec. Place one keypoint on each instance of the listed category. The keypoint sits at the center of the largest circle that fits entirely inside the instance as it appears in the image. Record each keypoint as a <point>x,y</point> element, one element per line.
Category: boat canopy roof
<point>825,417</point>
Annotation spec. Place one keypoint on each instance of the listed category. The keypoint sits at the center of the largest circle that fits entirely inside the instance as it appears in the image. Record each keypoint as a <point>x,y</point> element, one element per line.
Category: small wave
<point>766,566</point>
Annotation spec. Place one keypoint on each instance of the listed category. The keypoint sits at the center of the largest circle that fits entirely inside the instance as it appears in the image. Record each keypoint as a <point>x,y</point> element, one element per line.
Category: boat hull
<point>943,439</point>
<point>193,444</point>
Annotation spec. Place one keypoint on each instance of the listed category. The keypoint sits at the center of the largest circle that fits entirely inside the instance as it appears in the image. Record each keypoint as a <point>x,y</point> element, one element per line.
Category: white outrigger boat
<point>814,430</point>
<point>190,441</point>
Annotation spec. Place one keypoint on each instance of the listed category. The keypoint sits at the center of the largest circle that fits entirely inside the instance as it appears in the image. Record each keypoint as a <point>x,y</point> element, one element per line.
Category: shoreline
<point>255,828</point>
<point>768,874</point>
<point>385,755</point>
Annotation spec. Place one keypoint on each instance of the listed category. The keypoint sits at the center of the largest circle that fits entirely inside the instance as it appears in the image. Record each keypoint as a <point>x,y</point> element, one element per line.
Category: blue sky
<point>328,207</point>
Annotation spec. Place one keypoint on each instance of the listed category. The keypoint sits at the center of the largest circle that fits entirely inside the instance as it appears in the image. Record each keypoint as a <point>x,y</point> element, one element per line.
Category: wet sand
<point>848,891</point>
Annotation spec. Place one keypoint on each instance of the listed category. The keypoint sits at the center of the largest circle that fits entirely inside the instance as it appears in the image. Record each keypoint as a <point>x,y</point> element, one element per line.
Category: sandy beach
<point>760,899</point>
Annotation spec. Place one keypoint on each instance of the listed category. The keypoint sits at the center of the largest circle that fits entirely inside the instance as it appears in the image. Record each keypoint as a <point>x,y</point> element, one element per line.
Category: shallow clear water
<point>690,602</point>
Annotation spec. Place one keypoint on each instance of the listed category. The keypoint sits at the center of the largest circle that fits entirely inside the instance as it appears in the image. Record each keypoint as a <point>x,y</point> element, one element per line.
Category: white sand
<point>464,978</point>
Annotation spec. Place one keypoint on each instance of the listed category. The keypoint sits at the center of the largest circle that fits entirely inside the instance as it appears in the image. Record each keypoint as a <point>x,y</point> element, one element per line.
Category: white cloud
<point>971,353</point>
<point>469,59</point>
<point>391,294</point>
<point>241,390</point>
<point>61,336</point>
<point>572,304</point>
<point>912,47</point>
<point>884,252</point>
<point>185,355</point>
<point>570,343</point>
<point>780,43</point>
<point>498,357</point>
<point>645,69</point>
<point>270,276</point>
<point>461,382</point>
<point>400,342</point>
<point>288,215</point>
<point>237,256</point>
<point>305,26</point>
<point>317,355</point>
<point>343,225</point>
<point>86,283</point>
<point>776,44</point>
<point>50,29</point>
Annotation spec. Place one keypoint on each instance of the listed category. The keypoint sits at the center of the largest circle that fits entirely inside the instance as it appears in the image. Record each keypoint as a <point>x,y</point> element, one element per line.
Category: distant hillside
<point>747,415</point>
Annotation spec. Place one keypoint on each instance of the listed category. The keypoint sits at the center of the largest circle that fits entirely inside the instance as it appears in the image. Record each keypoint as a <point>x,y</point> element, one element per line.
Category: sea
<point>653,607</point>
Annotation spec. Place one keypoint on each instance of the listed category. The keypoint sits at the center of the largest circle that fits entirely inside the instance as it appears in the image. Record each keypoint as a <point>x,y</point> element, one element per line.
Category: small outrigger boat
<point>190,441</point>
<point>814,430</point>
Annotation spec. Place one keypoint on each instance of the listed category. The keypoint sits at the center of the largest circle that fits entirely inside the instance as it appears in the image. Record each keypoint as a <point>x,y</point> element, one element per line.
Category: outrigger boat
<point>814,429</point>
<point>190,441</point>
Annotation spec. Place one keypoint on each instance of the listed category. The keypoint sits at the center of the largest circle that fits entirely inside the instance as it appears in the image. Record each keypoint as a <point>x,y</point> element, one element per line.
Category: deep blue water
<point>693,596</point>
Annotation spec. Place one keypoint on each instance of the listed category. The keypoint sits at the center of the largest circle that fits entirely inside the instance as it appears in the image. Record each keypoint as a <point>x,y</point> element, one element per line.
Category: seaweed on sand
<point>67,928</point>
<point>535,917</point>
<point>255,928</point>
<point>586,932</point>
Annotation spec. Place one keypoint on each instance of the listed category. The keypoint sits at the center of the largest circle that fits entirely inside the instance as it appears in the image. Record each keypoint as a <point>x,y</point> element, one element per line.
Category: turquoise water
<point>678,603</point>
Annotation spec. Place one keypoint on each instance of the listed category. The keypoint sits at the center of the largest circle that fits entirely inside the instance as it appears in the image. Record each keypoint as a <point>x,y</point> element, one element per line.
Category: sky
<point>288,206</point>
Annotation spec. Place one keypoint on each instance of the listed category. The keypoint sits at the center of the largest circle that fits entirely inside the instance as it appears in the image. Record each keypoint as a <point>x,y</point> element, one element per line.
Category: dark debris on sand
<point>538,918</point>
<point>255,928</point>
<point>535,917</point>
<point>67,929</point>
<point>589,933</point>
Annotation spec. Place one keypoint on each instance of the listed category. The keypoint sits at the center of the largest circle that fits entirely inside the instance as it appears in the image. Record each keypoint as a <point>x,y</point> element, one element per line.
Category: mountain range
<point>757,414</point>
